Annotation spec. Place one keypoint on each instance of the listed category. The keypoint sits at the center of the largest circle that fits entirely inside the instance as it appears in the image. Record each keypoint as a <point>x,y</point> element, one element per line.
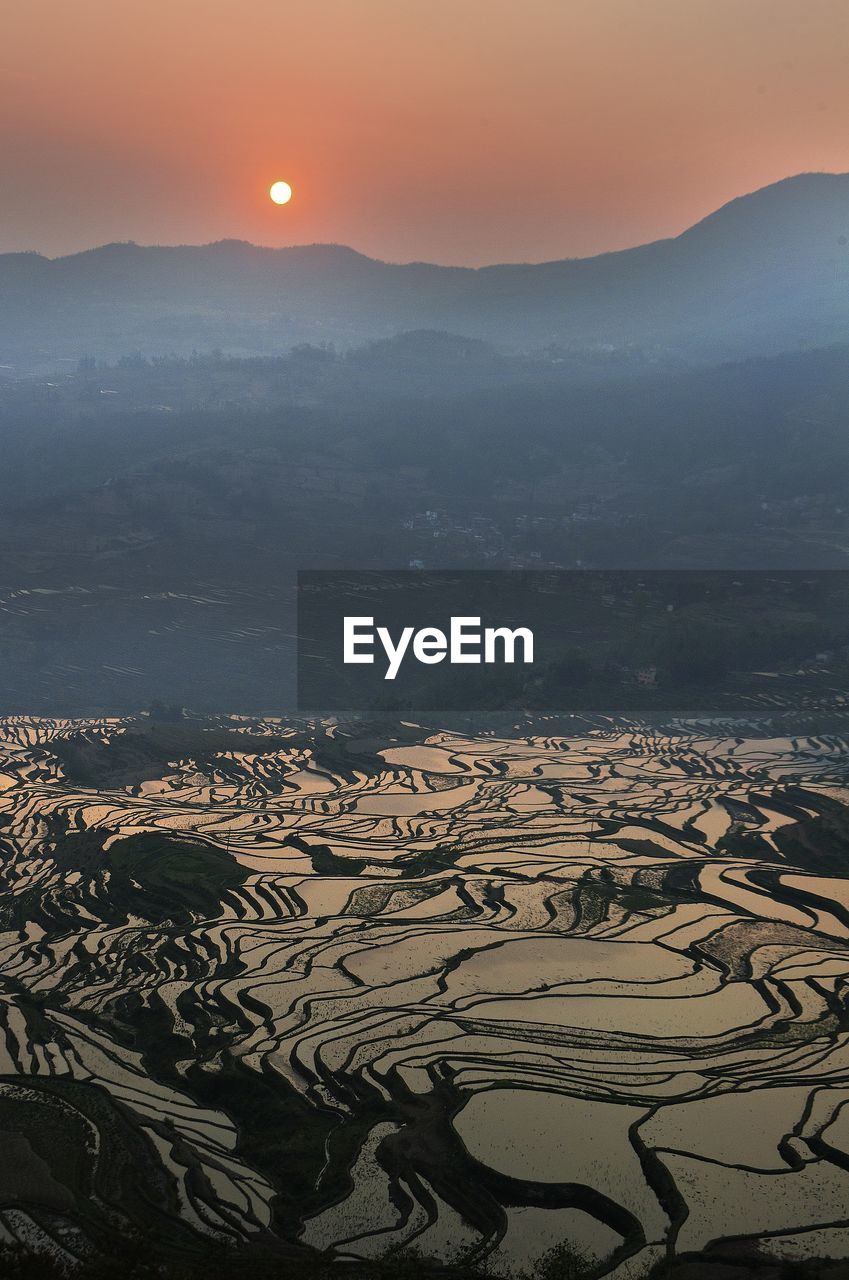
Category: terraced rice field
<point>354,990</point>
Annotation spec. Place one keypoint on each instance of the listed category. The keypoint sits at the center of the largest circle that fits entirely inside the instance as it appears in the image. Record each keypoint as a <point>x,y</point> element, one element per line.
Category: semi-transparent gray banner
<point>612,642</point>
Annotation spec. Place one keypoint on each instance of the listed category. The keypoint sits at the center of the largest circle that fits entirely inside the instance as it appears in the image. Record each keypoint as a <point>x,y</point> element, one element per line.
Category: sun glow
<point>280,192</point>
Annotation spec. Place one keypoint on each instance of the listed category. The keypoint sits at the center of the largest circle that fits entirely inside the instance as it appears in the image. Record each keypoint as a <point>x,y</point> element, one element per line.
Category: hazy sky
<point>464,131</point>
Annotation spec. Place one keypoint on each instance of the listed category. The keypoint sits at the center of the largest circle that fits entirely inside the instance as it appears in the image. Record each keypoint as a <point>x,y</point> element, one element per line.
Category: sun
<point>280,192</point>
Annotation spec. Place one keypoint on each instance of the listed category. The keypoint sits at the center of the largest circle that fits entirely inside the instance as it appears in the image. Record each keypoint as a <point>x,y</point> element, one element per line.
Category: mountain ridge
<point>766,271</point>
<point>794,183</point>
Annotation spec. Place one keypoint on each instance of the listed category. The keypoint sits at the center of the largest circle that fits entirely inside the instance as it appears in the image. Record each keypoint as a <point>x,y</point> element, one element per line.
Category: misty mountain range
<point>765,273</point>
<point>679,405</point>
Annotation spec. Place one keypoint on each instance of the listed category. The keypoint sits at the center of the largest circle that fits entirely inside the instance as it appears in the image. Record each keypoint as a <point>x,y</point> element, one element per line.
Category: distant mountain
<point>765,273</point>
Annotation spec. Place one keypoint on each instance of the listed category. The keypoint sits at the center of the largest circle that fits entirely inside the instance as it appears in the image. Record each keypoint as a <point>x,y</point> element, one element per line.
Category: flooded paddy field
<point>358,988</point>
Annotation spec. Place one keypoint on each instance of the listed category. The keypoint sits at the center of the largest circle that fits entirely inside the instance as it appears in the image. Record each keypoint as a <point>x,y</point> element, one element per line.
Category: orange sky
<point>465,131</point>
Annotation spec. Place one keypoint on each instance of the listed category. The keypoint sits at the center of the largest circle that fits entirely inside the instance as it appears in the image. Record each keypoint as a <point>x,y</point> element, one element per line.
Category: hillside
<point>765,273</point>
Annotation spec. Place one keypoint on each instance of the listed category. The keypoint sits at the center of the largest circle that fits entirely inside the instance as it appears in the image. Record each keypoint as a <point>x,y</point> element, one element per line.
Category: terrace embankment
<point>297,988</point>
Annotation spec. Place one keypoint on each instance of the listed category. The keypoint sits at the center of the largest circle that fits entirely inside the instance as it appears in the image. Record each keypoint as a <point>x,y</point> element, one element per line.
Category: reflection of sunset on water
<point>573,939</point>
